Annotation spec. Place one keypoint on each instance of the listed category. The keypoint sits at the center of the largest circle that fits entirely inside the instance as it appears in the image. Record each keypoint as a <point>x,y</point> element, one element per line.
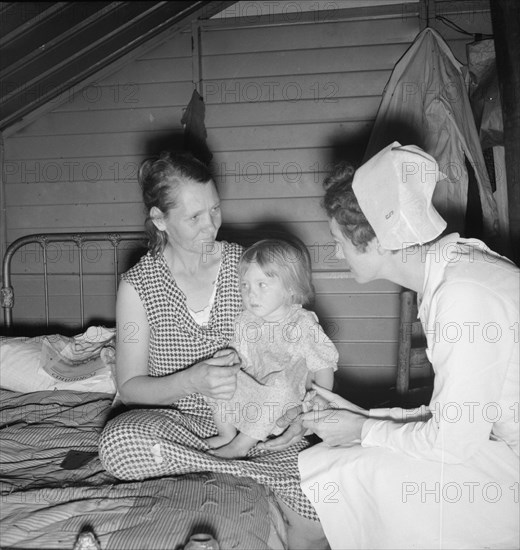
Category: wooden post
<point>505,15</point>
<point>406,319</point>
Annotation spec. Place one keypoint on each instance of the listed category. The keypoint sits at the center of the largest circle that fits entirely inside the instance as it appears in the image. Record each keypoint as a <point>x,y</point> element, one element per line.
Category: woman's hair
<point>289,261</point>
<point>160,179</point>
<point>341,204</point>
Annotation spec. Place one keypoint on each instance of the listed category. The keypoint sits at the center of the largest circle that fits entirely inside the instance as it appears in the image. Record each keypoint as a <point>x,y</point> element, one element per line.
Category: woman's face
<point>193,224</point>
<point>364,265</point>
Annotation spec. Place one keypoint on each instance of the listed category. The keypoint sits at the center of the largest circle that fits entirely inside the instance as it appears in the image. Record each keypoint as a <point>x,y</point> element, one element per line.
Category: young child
<point>281,345</point>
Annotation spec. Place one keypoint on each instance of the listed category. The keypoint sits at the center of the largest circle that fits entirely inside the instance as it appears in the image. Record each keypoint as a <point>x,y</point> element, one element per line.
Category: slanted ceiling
<point>48,49</point>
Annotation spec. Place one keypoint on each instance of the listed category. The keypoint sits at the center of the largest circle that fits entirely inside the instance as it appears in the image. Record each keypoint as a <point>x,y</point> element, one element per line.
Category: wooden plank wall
<point>74,169</point>
<point>285,99</point>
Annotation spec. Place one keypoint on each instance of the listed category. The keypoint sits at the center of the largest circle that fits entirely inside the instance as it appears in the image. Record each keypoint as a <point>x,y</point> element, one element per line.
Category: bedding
<point>56,394</point>
<point>52,486</point>
<point>55,362</point>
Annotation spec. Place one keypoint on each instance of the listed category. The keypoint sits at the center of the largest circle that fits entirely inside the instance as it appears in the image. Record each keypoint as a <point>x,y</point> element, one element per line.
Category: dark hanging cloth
<point>195,133</point>
<point>484,93</point>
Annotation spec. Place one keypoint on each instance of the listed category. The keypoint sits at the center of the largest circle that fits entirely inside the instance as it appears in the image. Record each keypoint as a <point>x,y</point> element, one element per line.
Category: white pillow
<point>24,362</point>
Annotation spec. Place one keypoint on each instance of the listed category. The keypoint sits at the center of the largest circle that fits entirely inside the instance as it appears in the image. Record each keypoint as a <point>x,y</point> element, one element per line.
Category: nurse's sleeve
<point>470,361</point>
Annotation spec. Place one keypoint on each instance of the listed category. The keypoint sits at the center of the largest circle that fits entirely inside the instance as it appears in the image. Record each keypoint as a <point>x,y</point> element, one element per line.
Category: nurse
<point>446,475</point>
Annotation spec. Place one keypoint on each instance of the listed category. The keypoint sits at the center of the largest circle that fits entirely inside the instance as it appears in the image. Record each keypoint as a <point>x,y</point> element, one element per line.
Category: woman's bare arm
<point>210,377</point>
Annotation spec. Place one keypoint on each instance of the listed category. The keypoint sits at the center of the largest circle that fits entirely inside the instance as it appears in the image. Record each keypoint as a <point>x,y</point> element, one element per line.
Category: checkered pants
<point>146,443</point>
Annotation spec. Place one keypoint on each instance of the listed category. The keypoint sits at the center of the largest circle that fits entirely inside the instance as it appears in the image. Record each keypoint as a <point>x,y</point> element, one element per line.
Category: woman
<point>443,476</point>
<point>175,314</point>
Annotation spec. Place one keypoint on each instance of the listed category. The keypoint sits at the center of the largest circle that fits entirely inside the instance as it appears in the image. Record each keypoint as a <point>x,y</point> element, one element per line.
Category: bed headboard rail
<point>79,240</point>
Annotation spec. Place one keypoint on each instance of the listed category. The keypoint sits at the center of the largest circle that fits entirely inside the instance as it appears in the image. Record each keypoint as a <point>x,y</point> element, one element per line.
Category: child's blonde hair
<point>290,262</point>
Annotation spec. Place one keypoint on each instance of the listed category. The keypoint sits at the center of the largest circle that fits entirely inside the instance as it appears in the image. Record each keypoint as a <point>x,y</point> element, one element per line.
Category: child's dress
<point>279,360</point>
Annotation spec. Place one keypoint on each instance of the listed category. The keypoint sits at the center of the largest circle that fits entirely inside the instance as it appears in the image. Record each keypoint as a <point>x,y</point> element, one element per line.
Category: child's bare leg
<point>303,533</point>
<point>226,433</point>
<point>237,448</point>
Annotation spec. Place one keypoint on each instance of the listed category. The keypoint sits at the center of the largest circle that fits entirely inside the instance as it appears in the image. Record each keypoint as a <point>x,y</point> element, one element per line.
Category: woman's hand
<point>215,377</point>
<point>335,420</point>
<point>230,354</point>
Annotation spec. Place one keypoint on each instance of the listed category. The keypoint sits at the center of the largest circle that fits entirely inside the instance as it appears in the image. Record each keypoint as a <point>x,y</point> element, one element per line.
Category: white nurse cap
<point>394,190</point>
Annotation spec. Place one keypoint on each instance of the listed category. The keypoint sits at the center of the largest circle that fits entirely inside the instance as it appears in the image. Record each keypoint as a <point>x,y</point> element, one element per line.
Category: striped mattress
<point>52,486</point>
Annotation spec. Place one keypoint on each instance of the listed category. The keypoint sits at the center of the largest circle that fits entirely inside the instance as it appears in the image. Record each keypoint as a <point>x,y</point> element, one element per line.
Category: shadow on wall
<point>353,148</point>
<point>178,141</point>
<point>171,141</point>
<point>350,148</point>
<point>269,229</point>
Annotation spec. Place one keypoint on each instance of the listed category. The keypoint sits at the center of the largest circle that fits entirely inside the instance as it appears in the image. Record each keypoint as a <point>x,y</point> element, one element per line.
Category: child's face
<point>264,296</point>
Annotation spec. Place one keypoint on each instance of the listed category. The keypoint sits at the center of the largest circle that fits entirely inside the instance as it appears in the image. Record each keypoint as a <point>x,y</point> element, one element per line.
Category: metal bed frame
<point>44,240</point>
<point>7,296</point>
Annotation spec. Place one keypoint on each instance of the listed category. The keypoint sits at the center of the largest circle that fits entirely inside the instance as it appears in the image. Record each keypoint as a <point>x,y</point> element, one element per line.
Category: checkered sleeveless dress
<point>146,443</point>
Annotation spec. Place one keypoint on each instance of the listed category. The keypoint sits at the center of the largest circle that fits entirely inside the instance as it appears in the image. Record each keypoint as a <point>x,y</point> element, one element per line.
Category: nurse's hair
<point>160,179</point>
<point>341,204</point>
<point>289,261</point>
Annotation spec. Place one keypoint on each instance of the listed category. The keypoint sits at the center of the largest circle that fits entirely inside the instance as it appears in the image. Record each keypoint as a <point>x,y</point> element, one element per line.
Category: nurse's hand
<point>334,419</point>
<point>294,433</point>
<point>325,399</point>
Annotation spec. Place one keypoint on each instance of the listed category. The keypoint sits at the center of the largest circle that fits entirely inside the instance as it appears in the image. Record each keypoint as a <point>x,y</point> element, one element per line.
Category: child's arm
<point>319,351</point>
<point>324,378</point>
